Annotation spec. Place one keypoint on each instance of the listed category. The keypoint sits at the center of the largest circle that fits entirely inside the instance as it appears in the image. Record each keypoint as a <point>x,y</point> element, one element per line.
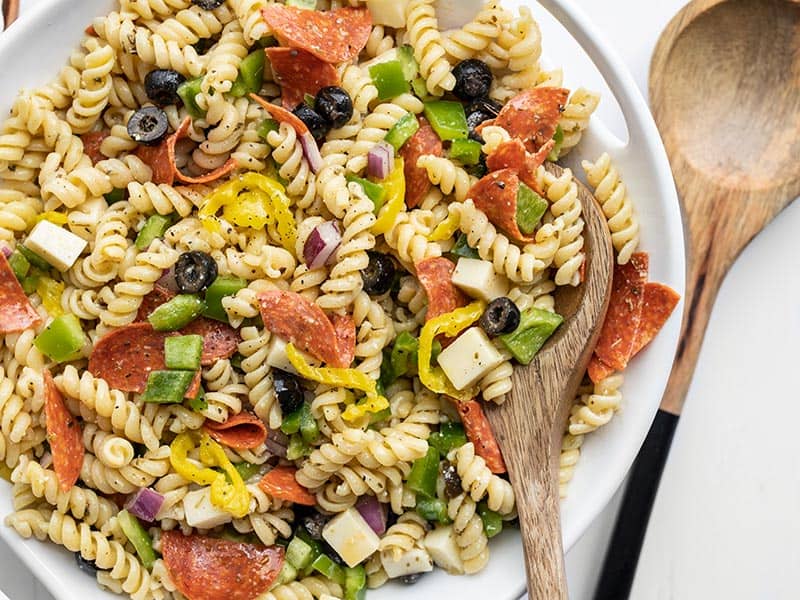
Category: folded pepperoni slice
<point>63,434</point>
<point>299,72</point>
<point>496,195</point>
<point>332,36</point>
<point>91,145</point>
<point>152,301</point>
<point>598,370</point>
<point>157,158</point>
<point>292,317</point>
<point>424,141</point>
<point>618,335</point>
<point>242,431</point>
<point>172,140</point>
<point>480,433</point>
<point>435,275</point>
<point>513,155</point>
<point>345,329</point>
<point>280,483</point>
<point>220,340</point>
<point>16,311</point>
<point>205,568</point>
<point>532,116</point>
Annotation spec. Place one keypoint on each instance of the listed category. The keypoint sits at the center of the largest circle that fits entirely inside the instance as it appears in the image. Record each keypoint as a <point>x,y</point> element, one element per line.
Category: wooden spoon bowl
<point>530,424</point>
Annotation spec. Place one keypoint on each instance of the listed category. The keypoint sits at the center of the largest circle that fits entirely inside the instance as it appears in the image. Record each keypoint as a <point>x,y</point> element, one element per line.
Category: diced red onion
<point>374,513</point>
<point>311,152</point>
<point>167,280</point>
<point>321,245</point>
<point>380,160</point>
<point>145,504</point>
<point>6,251</point>
<point>277,442</point>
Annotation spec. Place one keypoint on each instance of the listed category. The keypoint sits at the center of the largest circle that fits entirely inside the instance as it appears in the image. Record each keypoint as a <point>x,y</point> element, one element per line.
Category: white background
<point>727,519</point>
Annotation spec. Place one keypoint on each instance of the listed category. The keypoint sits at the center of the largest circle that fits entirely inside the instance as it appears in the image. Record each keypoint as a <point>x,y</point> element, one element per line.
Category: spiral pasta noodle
<point>423,33</point>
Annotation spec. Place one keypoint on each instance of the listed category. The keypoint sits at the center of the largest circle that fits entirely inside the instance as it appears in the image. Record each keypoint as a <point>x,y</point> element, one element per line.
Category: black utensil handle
<point>622,554</point>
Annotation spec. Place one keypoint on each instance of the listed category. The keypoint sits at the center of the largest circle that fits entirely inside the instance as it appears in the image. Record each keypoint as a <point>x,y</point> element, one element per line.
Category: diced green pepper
<point>291,422</point>
<point>62,339</point>
<point>199,403</point>
<point>420,88</point>
<point>374,191</point>
<point>115,195</point>
<point>222,287</point>
<point>287,575</point>
<point>188,92</point>
<point>448,119</point>
<point>265,127</point>
<point>327,567</point>
<point>558,138</point>
<point>404,353</point>
<point>176,313</point>
<point>462,248</point>
<point>316,546</point>
<point>308,4</point>
<point>424,473</point>
<point>236,361</point>
<point>450,435</point>
<point>268,41</point>
<point>167,387</point>
<point>405,55</point>
<point>389,79</point>
<point>154,228</point>
<point>355,583</point>
<point>251,74</point>
<point>33,258</point>
<point>183,352</point>
<point>380,416</point>
<point>433,509</point>
<point>246,470</point>
<point>492,521</point>
<point>138,537</point>
<point>300,554</point>
<point>530,209</point>
<point>402,131</point>
<point>19,264</point>
<point>309,430</point>
<point>535,327</point>
<point>31,282</point>
<point>388,376</point>
<point>467,152</point>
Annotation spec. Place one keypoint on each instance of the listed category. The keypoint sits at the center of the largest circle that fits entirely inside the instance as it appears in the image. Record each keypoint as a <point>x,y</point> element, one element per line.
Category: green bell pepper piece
<point>558,138</point>
<point>308,4</point>
<point>433,509</point>
<point>448,119</point>
<point>188,92</point>
<point>287,575</point>
<point>222,287</point>
<point>19,264</point>
<point>424,473</point>
<point>530,209</point>
<point>449,436</point>
<point>167,387</point>
<point>251,74</point>
<point>467,152</point>
<point>389,79</point>
<point>402,131</point>
<point>246,470</point>
<point>462,248</point>
<point>183,352</point>
<point>374,191</point>
<point>404,353</point>
<point>405,55</point>
<point>316,547</point>
<point>31,282</point>
<point>420,88</point>
<point>33,258</point>
<point>380,416</point>
<point>265,127</point>
<point>199,403</point>
<point>326,566</point>
<point>291,422</point>
<point>138,537</point>
<point>492,521</point>
<point>535,327</point>
<point>355,583</point>
<point>62,339</point>
<point>309,430</point>
<point>115,195</point>
<point>300,554</point>
<point>154,228</point>
<point>178,312</point>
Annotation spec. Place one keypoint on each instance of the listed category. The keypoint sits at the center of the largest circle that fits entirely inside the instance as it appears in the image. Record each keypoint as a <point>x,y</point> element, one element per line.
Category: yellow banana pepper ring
<point>395,187</point>
<point>179,458</point>
<point>52,216</point>
<point>50,291</point>
<point>445,229</point>
<point>450,324</point>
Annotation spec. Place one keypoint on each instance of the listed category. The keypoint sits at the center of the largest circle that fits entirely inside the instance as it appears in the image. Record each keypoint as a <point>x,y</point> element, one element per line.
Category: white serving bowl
<point>34,49</point>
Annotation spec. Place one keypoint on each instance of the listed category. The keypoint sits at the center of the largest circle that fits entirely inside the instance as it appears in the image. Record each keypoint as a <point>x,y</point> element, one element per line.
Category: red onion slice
<point>145,504</point>
<point>6,251</point>
<point>311,152</point>
<point>380,160</point>
<point>322,244</point>
<point>277,442</point>
<point>167,280</point>
<point>374,513</point>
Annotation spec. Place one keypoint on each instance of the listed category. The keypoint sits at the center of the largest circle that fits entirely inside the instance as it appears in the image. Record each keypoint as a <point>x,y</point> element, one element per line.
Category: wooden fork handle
<point>10,11</point>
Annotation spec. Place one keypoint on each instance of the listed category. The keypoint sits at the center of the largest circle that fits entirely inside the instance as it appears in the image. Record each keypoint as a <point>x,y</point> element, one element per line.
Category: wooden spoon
<point>10,12</point>
<point>530,424</point>
<point>724,92</point>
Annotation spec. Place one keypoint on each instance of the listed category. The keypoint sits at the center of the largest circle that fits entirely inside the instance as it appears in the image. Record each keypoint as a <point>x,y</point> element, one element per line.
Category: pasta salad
<point>264,264</point>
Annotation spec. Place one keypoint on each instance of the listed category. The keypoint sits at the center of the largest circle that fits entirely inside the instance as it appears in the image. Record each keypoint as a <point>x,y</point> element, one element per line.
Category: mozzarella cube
<point>477,278</point>
<point>351,537</point>
<point>56,245</point>
<point>469,358</point>
<point>441,545</point>
<point>200,512</point>
<point>391,13</point>
<point>277,359</point>
<point>415,560</point>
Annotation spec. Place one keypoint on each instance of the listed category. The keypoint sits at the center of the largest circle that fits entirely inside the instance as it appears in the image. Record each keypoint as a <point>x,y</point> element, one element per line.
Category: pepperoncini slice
<point>446,229</point>
<point>179,458</point>
<point>449,324</point>
<point>50,291</point>
<point>395,200</point>
<point>346,378</point>
<point>54,217</point>
<point>256,201</point>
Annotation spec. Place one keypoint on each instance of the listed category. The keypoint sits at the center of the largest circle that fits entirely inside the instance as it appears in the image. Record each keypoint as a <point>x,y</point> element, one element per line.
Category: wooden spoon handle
<point>10,11</point>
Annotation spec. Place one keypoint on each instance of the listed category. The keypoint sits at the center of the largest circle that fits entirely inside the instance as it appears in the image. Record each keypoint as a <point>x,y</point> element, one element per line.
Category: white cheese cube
<point>200,512</point>
<point>277,359</point>
<point>351,537</point>
<point>415,560</point>
<point>391,13</point>
<point>441,544</point>
<point>56,245</point>
<point>477,278</point>
<point>469,358</point>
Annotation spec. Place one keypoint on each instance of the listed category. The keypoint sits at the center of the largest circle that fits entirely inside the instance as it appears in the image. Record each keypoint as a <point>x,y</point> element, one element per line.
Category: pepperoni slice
<point>152,301</point>
<point>293,318</point>
<point>91,145</point>
<point>205,568</point>
<point>598,370</point>
<point>157,158</point>
<point>242,431</point>
<point>194,387</point>
<point>333,36</point>
<point>496,195</point>
<point>299,72</point>
<point>480,433</point>
<point>513,155</point>
<point>435,275</point>
<point>532,115</point>
<point>282,115</point>
<point>126,356</point>
<point>220,340</point>
<point>16,311</point>
<point>345,329</point>
<point>424,141</point>
<point>63,434</point>
<point>280,483</point>
<point>172,140</point>
<point>617,337</point>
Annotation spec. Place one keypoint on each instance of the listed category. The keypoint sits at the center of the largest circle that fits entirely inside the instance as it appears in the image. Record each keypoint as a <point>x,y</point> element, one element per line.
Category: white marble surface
<point>726,521</point>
